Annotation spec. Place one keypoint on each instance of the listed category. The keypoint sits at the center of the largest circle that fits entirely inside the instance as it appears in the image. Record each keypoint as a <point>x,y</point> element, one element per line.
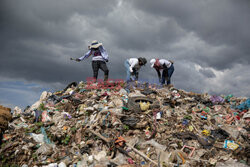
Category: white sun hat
<point>95,44</point>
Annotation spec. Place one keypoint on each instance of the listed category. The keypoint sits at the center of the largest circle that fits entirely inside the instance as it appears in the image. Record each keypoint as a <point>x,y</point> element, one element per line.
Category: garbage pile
<point>5,117</point>
<point>128,125</point>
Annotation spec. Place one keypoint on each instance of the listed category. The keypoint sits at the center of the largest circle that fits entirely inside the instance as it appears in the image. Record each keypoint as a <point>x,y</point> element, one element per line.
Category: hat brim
<point>96,45</point>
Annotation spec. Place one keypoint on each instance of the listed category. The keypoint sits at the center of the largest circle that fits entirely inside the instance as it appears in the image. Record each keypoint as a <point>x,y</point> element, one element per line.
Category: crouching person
<point>167,68</point>
<point>133,66</point>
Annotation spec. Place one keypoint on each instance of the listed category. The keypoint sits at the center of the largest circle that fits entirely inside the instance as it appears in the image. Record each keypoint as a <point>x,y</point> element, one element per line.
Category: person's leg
<point>170,72</point>
<point>127,65</point>
<point>105,69</point>
<point>136,75</point>
<point>164,76</point>
<point>95,67</point>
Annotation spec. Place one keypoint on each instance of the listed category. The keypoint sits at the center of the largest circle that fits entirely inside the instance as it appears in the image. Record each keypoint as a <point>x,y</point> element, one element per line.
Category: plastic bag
<point>17,111</point>
<point>244,106</point>
<point>217,99</point>
<point>144,106</point>
<point>62,164</point>
<point>46,139</point>
<point>45,117</point>
<point>52,165</point>
<point>120,159</point>
<point>130,121</point>
<point>39,138</point>
<point>153,143</point>
<point>101,155</point>
<point>45,149</point>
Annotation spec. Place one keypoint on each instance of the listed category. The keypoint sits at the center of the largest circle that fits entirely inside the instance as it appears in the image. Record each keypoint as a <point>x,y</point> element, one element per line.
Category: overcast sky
<point>209,41</point>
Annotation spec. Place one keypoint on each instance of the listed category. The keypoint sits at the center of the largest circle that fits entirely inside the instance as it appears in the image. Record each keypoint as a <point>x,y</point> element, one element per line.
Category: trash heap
<point>128,125</point>
<point>5,117</point>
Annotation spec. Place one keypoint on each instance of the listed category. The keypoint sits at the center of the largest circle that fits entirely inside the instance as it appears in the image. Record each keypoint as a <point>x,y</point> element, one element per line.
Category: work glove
<point>130,69</point>
<point>78,60</point>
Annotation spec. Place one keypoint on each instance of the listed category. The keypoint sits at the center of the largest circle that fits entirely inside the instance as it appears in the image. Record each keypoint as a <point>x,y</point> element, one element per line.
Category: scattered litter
<point>130,126</point>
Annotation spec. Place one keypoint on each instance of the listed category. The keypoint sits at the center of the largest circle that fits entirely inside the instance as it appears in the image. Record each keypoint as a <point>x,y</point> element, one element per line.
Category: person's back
<point>165,62</point>
<point>96,53</point>
<point>134,63</point>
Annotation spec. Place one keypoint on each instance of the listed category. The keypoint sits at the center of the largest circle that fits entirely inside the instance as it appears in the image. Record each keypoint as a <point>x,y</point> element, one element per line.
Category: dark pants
<point>166,74</point>
<point>96,65</point>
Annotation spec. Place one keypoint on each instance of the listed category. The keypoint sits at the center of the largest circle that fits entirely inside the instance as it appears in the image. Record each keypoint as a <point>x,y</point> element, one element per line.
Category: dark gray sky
<point>209,41</point>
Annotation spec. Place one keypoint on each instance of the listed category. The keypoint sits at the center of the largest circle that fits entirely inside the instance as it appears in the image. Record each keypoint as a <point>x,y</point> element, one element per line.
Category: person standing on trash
<point>100,57</point>
<point>133,66</point>
<point>167,68</point>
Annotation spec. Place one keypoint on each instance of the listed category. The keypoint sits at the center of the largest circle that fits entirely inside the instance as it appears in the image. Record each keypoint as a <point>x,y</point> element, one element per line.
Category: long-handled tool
<point>134,149</point>
<point>73,59</point>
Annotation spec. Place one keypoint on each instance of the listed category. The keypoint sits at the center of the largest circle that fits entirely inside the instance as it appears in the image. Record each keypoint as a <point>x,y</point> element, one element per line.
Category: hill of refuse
<point>128,125</point>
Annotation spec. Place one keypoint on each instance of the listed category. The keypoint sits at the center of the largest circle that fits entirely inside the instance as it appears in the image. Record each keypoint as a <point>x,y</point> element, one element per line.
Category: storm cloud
<point>208,40</point>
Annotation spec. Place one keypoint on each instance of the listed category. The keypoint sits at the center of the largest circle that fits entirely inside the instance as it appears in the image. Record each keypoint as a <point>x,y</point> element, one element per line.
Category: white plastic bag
<point>45,149</point>
<point>153,143</point>
<point>39,138</point>
<point>62,164</point>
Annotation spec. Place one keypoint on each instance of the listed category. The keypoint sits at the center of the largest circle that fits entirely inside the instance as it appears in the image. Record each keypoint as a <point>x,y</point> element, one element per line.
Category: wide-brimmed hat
<point>143,60</point>
<point>95,44</point>
<point>152,62</point>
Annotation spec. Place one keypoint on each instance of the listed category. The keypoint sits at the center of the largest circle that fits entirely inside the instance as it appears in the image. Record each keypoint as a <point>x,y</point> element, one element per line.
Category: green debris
<point>66,140</point>
<point>189,117</point>
<point>207,109</point>
<point>125,127</point>
<point>73,129</point>
<point>42,107</point>
<point>39,124</point>
<point>125,108</point>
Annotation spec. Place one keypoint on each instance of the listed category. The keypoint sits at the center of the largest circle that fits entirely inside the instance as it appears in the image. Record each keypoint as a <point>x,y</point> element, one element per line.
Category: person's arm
<point>85,56</point>
<point>104,53</point>
<point>159,74</point>
<point>166,73</point>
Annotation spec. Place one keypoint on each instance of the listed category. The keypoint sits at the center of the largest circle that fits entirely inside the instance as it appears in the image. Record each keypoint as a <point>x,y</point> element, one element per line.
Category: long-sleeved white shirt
<point>134,63</point>
<point>166,62</point>
<point>98,55</point>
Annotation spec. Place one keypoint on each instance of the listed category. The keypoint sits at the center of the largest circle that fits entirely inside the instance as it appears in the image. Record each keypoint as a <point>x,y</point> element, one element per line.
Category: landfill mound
<point>5,116</point>
<point>128,125</point>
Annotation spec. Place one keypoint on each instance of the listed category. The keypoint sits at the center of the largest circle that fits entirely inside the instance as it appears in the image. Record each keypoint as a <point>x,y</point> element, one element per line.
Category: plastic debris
<point>126,125</point>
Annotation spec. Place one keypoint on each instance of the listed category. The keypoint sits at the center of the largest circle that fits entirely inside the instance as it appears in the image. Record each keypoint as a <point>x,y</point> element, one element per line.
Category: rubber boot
<point>106,78</point>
